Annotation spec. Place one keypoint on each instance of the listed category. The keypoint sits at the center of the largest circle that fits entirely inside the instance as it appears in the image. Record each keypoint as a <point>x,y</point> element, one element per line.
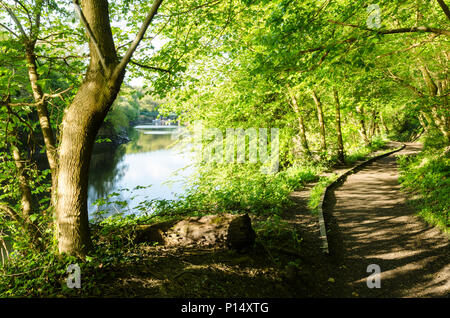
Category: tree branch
<point>10,212</point>
<point>27,13</point>
<point>13,16</point>
<point>154,68</point>
<point>412,46</point>
<point>195,8</point>
<point>44,96</point>
<point>444,8</point>
<point>90,33</point>
<point>37,20</point>
<point>10,31</point>
<point>127,57</point>
<point>405,83</point>
<point>395,31</point>
<point>415,29</point>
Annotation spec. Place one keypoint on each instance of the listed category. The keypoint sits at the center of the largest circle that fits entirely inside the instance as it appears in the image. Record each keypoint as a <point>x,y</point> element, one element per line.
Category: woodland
<point>339,79</point>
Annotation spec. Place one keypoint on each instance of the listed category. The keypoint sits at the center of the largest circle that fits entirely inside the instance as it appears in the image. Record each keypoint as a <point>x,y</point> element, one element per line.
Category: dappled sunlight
<point>376,225</point>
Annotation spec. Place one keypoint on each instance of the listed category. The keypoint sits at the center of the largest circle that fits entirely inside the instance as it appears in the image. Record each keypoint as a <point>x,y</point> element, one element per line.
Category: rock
<point>233,231</point>
<point>153,233</point>
<point>240,233</point>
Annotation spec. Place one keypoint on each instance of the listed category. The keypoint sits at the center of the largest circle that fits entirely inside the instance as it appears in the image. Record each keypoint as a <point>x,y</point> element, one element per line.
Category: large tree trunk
<point>79,128</point>
<point>301,125</point>
<point>318,103</point>
<point>340,143</point>
<point>83,119</point>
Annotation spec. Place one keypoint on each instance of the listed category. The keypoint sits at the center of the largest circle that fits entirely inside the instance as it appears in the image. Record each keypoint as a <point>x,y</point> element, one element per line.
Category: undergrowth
<point>426,177</point>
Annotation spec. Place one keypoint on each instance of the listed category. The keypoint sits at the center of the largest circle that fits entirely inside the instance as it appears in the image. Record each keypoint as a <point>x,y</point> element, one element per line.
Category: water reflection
<point>147,160</point>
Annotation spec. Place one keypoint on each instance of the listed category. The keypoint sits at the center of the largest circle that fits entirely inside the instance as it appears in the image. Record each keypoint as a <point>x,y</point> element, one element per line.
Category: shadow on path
<point>370,222</point>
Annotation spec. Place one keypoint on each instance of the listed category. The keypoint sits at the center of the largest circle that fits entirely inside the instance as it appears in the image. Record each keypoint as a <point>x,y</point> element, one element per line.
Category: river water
<point>148,167</point>
<point>148,162</point>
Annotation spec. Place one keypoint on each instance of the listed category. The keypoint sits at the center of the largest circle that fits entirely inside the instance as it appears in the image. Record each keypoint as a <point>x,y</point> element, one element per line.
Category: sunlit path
<point>375,225</point>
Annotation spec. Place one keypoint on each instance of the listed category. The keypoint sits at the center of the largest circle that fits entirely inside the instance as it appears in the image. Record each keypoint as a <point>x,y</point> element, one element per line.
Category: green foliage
<point>317,191</point>
<point>274,229</point>
<point>239,190</point>
<point>230,64</point>
<point>427,177</point>
<point>361,152</point>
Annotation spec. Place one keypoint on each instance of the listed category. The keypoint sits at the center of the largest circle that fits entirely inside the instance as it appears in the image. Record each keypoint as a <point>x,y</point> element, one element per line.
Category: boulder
<point>232,231</point>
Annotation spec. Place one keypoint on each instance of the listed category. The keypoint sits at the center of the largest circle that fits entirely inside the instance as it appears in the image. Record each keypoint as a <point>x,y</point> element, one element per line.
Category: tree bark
<point>362,123</point>
<point>79,128</point>
<point>43,115</point>
<point>301,125</point>
<point>383,123</point>
<point>340,143</point>
<point>318,103</point>
<point>434,90</point>
<point>26,201</point>
<point>29,228</point>
<point>373,124</point>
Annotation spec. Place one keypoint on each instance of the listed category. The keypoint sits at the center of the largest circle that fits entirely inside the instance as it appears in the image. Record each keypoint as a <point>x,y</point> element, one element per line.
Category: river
<point>145,168</point>
<point>147,162</point>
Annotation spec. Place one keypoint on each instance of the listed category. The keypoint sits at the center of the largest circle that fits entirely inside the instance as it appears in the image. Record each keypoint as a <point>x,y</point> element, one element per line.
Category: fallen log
<point>232,231</point>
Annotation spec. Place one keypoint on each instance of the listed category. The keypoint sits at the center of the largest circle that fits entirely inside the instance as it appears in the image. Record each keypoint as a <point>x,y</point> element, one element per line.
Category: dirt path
<point>371,223</point>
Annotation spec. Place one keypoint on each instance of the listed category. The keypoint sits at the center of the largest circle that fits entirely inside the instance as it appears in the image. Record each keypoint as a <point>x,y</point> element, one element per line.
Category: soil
<point>369,222</point>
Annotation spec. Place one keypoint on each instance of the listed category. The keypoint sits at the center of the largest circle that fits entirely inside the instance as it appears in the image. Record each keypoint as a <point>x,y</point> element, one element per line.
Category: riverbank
<point>286,261</point>
<point>112,137</point>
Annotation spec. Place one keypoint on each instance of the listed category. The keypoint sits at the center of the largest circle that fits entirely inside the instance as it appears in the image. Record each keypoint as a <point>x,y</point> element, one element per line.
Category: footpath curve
<point>339,179</point>
<point>369,222</point>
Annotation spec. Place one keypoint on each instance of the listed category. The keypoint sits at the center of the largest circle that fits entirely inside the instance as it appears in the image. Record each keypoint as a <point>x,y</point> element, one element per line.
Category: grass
<point>317,192</point>
<point>426,177</point>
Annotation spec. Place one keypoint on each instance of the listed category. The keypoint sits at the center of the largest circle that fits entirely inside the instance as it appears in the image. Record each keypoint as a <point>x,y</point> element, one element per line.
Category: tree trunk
<point>340,143</point>
<point>373,124</point>
<point>44,118</point>
<point>323,141</point>
<point>301,125</point>
<point>383,123</point>
<point>362,123</point>
<point>79,128</point>
<point>435,90</point>
<point>83,119</point>
<point>423,123</point>
<point>29,228</point>
<point>23,183</point>
<point>80,125</point>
